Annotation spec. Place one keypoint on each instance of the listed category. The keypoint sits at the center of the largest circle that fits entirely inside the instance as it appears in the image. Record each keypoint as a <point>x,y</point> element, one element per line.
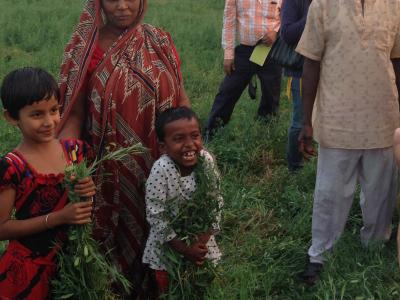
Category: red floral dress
<point>28,264</point>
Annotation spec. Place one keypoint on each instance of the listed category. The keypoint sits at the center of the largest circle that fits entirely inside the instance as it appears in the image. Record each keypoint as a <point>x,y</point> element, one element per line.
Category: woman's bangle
<point>46,221</point>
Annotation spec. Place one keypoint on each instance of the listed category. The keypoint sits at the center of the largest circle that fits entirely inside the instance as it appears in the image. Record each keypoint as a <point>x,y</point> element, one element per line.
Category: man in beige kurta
<point>352,51</point>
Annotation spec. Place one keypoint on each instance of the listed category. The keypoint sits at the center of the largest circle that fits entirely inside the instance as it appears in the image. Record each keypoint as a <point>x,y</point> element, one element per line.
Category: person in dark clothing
<point>293,20</point>
<point>250,26</point>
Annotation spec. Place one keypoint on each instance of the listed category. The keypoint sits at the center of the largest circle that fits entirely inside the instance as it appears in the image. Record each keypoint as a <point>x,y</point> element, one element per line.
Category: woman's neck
<point>108,35</point>
<point>111,31</point>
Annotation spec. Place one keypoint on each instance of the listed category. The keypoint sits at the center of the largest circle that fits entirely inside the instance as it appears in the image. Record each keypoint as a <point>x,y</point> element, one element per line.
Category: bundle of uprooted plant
<point>189,219</point>
<point>84,272</point>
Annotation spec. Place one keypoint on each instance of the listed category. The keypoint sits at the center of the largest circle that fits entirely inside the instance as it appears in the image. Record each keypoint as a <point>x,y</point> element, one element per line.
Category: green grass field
<point>267,214</point>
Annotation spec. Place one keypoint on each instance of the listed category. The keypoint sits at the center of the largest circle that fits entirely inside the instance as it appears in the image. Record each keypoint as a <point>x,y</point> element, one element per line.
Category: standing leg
<point>270,76</point>
<point>337,172</point>
<point>294,156</point>
<point>230,89</point>
<point>334,190</point>
<point>378,180</point>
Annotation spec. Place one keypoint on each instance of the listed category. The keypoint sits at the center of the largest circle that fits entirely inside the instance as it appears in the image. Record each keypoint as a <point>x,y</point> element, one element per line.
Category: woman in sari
<point>117,75</point>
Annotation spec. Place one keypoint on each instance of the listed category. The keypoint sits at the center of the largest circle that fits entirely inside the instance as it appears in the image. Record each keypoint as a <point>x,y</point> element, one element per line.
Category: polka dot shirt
<point>165,182</point>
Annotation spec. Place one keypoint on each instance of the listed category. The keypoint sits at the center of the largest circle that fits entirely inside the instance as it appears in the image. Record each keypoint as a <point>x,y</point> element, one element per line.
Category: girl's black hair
<point>170,115</point>
<point>25,86</point>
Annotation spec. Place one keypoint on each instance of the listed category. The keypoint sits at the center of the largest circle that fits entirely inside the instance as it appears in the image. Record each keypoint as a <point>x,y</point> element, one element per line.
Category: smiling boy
<point>172,176</point>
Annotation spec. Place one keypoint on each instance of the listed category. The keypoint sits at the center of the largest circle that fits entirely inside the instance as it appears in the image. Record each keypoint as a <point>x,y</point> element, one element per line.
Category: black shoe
<point>311,274</point>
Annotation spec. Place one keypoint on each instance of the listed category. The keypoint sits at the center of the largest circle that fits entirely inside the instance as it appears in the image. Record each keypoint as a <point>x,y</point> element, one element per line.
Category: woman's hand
<point>183,99</point>
<point>71,125</point>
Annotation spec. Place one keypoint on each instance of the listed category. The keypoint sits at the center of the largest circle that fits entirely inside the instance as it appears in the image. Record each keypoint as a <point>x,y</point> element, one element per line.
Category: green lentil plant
<point>84,272</point>
<point>189,219</point>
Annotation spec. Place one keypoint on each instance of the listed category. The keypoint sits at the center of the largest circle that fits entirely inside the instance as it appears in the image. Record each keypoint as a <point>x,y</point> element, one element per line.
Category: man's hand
<point>311,71</point>
<point>269,38</point>
<point>305,142</point>
<point>396,149</point>
<point>396,68</point>
<point>229,66</point>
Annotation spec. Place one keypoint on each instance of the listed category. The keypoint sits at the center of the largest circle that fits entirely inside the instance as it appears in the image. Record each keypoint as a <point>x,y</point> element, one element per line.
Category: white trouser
<point>338,172</point>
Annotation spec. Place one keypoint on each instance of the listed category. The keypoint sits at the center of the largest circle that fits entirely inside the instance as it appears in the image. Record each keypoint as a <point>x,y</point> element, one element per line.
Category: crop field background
<point>267,216</point>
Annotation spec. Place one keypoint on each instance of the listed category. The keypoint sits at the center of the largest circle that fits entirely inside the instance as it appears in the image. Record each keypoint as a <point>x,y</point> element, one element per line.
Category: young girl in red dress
<point>31,185</point>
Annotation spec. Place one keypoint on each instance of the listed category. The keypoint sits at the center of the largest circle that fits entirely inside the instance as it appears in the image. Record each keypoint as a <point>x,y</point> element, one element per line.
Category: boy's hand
<point>204,237</point>
<point>196,253</point>
<point>85,187</point>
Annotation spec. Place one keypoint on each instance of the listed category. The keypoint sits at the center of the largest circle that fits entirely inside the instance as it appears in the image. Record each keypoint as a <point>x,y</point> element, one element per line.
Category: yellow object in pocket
<point>260,54</point>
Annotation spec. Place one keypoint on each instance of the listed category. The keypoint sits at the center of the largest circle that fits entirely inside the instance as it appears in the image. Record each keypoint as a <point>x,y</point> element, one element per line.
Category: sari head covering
<point>137,78</point>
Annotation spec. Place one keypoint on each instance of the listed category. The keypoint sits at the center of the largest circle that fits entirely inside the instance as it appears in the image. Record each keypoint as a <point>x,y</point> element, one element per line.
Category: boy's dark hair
<point>25,86</point>
<point>170,115</point>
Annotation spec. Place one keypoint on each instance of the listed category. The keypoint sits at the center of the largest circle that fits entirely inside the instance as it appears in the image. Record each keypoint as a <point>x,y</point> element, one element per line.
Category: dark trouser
<point>233,85</point>
<point>294,156</point>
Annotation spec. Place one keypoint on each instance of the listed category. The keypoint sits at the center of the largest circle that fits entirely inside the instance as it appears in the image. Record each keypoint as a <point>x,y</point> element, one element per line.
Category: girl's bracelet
<point>46,221</point>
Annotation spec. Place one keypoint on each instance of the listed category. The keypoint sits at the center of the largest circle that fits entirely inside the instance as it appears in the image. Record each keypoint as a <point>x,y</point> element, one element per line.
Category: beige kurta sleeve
<point>312,41</point>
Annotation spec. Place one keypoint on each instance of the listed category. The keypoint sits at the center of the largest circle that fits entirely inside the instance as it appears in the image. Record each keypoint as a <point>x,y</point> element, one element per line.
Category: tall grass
<point>267,214</point>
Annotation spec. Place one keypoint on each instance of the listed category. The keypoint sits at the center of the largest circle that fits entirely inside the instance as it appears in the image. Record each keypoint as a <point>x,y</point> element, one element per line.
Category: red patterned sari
<point>136,78</point>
